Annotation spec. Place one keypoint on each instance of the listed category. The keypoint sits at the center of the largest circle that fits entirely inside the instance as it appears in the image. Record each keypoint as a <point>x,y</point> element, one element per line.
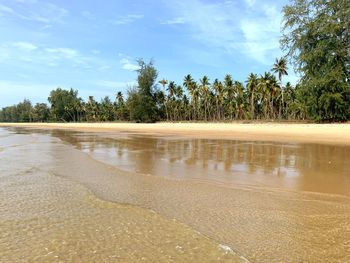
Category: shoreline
<point>338,134</point>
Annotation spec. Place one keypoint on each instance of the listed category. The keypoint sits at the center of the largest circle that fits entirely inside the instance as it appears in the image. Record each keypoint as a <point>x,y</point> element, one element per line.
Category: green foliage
<point>141,107</point>
<point>106,110</point>
<point>41,113</point>
<point>22,112</point>
<point>317,38</point>
<point>141,103</point>
<point>65,105</point>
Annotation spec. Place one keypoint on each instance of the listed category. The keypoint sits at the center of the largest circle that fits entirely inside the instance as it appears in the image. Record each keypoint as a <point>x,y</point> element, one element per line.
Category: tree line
<point>260,97</point>
<point>316,39</point>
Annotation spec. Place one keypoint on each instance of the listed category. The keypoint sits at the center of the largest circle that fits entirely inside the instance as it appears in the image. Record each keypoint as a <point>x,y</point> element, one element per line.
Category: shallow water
<point>297,167</point>
<point>229,191</point>
<point>46,218</point>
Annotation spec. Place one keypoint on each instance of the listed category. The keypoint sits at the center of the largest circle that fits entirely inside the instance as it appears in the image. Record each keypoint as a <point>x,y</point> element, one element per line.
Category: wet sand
<point>46,218</point>
<point>263,224</point>
<point>315,133</point>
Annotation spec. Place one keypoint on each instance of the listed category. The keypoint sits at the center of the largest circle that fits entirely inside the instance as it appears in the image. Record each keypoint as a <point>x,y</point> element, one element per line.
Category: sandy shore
<point>313,133</point>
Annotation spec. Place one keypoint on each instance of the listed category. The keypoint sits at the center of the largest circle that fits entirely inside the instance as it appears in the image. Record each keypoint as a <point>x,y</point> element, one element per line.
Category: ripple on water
<point>45,218</point>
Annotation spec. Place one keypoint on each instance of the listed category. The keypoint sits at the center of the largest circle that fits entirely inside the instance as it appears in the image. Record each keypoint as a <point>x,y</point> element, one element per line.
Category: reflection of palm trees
<point>221,159</point>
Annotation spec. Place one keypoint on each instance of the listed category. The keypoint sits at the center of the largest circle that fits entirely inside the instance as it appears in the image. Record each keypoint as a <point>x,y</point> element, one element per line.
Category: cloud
<point>126,19</point>
<point>25,46</point>
<point>175,21</point>
<point>250,3</point>
<point>32,10</point>
<point>26,54</point>
<point>126,63</point>
<point>262,35</point>
<point>231,27</point>
<point>63,52</point>
<point>6,10</point>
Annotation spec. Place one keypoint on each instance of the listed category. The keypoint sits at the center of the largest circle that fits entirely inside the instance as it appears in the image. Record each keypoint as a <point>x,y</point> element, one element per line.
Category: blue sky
<point>92,45</point>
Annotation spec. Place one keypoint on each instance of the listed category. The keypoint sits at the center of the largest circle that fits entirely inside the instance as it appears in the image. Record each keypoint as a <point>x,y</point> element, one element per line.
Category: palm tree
<point>171,99</point>
<point>229,89</point>
<point>92,111</point>
<point>289,97</point>
<point>263,85</point>
<point>239,99</point>
<point>164,82</point>
<point>280,67</point>
<point>219,97</point>
<point>191,87</point>
<point>204,88</point>
<point>252,85</point>
<point>178,92</point>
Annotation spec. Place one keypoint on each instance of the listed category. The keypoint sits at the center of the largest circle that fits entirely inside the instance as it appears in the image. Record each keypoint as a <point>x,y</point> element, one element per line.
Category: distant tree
<point>24,111</point>
<point>280,68</point>
<point>41,112</point>
<point>121,111</point>
<point>164,82</point>
<point>205,94</point>
<point>252,85</point>
<point>317,39</point>
<point>64,104</point>
<point>106,110</point>
<point>230,96</point>
<point>141,99</point>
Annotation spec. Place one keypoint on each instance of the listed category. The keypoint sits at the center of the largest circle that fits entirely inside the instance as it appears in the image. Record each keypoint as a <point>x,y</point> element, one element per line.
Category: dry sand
<point>285,132</point>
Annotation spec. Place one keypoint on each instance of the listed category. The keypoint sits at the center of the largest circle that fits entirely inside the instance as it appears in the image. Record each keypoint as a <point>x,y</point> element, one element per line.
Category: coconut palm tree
<point>238,86</point>
<point>252,85</point>
<point>171,100</point>
<point>230,95</point>
<point>191,88</point>
<point>280,68</point>
<point>219,98</point>
<point>205,92</point>
<point>164,82</point>
<point>264,85</point>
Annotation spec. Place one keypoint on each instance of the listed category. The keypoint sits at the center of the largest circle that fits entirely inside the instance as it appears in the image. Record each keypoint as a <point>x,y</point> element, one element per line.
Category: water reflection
<point>309,167</point>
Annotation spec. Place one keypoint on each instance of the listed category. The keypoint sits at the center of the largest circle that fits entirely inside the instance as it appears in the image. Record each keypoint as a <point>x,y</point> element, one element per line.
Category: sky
<point>93,45</point>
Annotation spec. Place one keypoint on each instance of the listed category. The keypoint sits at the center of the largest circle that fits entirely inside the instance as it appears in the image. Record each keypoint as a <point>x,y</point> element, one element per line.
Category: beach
<point>211,192</point>
<point>284,132</point>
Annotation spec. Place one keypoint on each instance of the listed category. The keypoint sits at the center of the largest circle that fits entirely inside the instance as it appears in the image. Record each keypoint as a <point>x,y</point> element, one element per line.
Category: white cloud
<point>32,10</point>
<point>250,3</point>
<point>26,54</point>
<point>25,46</point>
<point>175,21</point>
<point>126,63</point>
<point>63,52</point>
<point>6,10</point>
<point>262,35</point>
<point>232,28</point>
<point>126,19</point>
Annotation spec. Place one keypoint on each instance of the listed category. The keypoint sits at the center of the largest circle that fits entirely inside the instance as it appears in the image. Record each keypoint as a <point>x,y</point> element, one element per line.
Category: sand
<point>285,132</point>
